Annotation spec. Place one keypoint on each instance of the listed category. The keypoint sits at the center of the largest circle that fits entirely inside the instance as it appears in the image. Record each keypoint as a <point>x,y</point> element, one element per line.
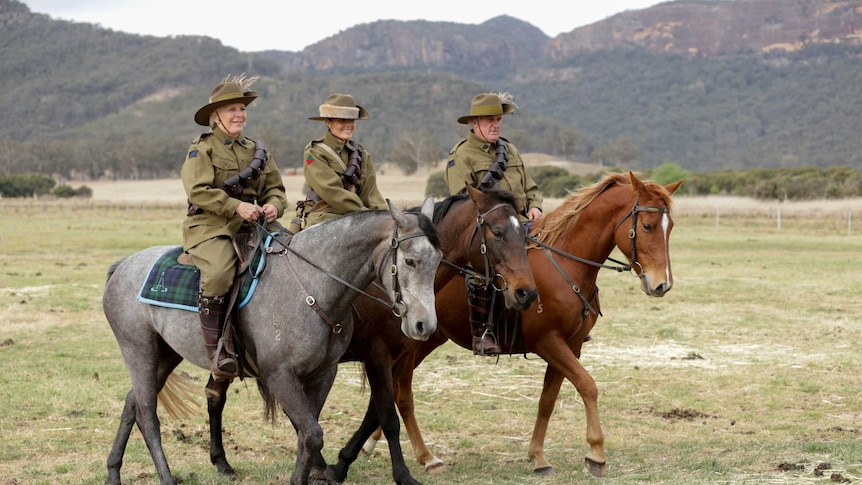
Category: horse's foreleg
<point>299,404</point>
<point>381,413</point>
<point>216,398</point>
<point>403,374</point>
<point>550,391</point>
<point>559,356</point>
<point>118,449</point>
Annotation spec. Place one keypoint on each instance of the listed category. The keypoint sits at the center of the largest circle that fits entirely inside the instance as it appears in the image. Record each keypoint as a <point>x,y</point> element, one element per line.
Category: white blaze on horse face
<point>665,227</point>
<point>515,222</point>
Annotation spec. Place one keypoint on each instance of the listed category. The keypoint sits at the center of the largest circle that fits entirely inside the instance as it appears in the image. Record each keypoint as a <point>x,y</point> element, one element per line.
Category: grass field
<point>746,372</point>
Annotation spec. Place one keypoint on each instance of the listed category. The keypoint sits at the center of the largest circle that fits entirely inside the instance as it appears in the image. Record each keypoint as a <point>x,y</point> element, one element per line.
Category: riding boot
<point>479,298</point>
<point>213,312</point>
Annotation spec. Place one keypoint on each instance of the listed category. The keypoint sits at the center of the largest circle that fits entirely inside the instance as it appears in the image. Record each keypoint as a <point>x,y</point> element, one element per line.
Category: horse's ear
<point>400,220</point>
<point>636,183</point>
<point>671,188</point>
<point>428,207</point>
<point>474,193</point>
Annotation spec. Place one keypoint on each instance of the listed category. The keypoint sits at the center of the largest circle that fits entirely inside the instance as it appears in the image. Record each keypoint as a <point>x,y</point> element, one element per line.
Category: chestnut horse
<point>568,247</point>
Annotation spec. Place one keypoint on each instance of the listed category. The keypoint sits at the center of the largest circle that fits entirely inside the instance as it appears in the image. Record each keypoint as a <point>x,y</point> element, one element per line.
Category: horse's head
<point>500,240</point>
<point>408,273</point>
<point>644,235</point>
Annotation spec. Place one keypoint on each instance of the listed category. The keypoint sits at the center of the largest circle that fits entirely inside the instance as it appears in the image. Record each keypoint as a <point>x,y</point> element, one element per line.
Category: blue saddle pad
<point>173,285</point>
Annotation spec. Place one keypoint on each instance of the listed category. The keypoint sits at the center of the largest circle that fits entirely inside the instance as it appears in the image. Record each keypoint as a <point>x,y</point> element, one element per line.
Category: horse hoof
<point>595,468</point>
<point>545,471</point>
<point>435,466</point>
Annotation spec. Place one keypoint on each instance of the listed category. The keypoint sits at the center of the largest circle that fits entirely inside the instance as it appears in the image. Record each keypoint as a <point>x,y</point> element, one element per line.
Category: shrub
<point>25,185</point>
<point>436,185</point>
<point>66,192</point>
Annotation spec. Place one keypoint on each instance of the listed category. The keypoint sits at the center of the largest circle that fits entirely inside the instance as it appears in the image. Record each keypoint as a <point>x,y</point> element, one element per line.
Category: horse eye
<point>647,227</point>
<point>497,233</point>
<point>410,262</point>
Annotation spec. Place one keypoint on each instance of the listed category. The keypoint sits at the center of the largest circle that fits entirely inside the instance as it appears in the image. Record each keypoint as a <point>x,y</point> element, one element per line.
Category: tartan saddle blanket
<point>173,285</point>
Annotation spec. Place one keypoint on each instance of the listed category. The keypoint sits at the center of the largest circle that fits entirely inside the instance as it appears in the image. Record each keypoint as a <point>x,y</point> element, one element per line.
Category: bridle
<point>398,307</point>
<point>633,214</point>
<point>483,250</point>
<point>652,209</point>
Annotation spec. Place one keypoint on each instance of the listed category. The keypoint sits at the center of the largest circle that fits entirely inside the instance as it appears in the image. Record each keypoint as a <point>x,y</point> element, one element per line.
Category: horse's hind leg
<point>403,388</point>
<point>216,399</point>
<point>118,449</point>
<point>149,368</point>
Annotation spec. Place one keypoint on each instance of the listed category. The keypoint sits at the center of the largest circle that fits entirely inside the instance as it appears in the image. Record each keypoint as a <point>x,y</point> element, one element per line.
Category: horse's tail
<point>113,268</point>
<point>177,396</point>
<point>270,405</point>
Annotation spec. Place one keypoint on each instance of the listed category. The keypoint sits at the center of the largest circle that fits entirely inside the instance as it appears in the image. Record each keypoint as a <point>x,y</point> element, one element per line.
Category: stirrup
<point>485,344</point>
<point>223,365</point>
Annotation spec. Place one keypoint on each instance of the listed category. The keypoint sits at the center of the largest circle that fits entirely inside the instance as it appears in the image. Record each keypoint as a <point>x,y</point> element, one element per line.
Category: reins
<point>398,307</point>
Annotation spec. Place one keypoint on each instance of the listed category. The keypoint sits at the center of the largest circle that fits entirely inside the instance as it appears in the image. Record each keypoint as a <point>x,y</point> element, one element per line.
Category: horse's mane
<point>443,206</point>
<point>559,221</point>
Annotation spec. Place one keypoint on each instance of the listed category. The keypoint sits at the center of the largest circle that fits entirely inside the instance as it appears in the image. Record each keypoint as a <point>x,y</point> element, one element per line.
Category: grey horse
<point>293,330</point>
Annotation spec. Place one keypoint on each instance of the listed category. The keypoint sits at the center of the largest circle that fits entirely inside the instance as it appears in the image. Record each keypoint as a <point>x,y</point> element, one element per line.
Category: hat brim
<point>508,108</point>
<point>202,117</point>
<point>363,115</point>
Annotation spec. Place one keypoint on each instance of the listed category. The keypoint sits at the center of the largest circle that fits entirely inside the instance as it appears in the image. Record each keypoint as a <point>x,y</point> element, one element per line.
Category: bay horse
<point>293,330</point>
<point>568,247</point>
<point>480,234</point>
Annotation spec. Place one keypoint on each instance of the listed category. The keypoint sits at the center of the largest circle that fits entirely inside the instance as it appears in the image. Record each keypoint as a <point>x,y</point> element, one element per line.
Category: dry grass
<point>746,372</point>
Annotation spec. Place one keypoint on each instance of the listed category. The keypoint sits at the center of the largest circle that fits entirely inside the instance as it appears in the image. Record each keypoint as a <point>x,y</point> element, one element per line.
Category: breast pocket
<point>223,168</point>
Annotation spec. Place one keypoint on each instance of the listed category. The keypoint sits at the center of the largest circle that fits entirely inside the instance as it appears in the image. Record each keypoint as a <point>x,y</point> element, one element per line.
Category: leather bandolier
<point>349,180</point>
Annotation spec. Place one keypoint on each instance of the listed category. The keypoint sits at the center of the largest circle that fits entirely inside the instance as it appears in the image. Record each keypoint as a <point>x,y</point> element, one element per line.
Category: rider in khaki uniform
<point>485,159</point>
<point>215,216</point>
<point>338,171</point>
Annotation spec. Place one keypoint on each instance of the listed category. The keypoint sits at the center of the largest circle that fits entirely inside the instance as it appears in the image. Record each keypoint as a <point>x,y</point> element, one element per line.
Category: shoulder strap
<point>330,151</point>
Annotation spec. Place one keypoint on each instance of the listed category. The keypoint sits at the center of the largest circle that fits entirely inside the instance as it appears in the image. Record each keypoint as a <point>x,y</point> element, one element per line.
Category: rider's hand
<point>269,212</point>
<point>249,212</point>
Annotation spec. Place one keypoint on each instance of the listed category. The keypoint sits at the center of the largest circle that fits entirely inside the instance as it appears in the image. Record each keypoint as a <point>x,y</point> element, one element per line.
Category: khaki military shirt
<point>323,176</point>
<point>212,158</point>
<point>470,160</point>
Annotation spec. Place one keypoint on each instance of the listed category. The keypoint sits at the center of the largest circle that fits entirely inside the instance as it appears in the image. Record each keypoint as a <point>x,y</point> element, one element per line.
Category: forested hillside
<point>83,102</point>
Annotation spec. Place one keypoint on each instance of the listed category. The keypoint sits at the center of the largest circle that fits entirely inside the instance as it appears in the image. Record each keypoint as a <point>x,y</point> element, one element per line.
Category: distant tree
<point>621,152</point>
<point>669,172</point>
<point>415,150</point>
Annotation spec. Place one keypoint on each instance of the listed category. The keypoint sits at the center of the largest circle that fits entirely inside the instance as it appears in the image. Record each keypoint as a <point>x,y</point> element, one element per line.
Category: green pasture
<point>748,371</point>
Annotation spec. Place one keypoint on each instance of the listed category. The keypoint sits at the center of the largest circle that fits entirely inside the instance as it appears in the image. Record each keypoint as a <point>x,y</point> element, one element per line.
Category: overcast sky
<point>256,25</point>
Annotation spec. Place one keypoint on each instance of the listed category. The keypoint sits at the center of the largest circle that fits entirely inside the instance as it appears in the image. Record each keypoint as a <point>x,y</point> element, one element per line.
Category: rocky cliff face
<point>719,28</point>
<point>389,44</point>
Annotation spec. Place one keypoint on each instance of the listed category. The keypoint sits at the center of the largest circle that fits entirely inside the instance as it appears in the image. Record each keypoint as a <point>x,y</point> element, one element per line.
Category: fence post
<point>849,222</point>
<point>779,216</point>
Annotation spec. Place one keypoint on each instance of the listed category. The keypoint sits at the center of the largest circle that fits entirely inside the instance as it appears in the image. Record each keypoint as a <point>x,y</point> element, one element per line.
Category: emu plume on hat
<point>489,104</point>
<point>341,106</point>
<point>231,90</point>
